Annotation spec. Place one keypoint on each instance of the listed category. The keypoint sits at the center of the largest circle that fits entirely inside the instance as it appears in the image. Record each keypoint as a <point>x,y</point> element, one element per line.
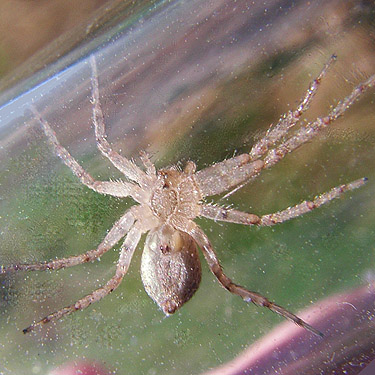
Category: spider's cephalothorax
<point>170,199</point>
<point>176,195</point>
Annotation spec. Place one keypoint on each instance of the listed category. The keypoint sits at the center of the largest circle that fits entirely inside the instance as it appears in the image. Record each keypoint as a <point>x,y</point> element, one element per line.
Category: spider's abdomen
<point>170,268</point>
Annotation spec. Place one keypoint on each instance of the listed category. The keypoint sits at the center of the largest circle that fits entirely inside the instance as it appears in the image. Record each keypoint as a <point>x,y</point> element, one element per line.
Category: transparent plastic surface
<point>201,81</point>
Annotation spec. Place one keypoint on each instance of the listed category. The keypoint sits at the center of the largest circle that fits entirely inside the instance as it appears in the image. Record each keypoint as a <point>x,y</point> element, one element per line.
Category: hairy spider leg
<point>310,130</point>
<point>218,213</point>
<point>291,118</point>
<point>118,231</point>
<point>247,295</point>
<point>119,189</point>
<point>221,176</point>
<point>126,254</point>
<point>127,167</point>
<point>241,169</point>
<point>247,162</point>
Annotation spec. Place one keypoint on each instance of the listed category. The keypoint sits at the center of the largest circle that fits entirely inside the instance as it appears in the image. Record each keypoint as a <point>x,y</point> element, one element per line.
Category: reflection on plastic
<point>81,368</point>
<point>369,370</point>
<point>348,323</point>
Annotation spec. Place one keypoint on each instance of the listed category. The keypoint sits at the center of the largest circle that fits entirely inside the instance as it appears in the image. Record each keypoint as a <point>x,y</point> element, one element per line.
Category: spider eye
<point>170,268</point>
<point>165,249</point>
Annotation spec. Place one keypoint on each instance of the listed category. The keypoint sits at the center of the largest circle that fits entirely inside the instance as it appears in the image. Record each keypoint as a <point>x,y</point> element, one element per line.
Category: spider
<point>170,199</point>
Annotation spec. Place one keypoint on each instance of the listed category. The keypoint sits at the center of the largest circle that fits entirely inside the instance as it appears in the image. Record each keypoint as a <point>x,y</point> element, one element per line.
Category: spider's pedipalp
<point>126,254</point>
<point>247,295</point>
<point>127,167</point>
<point>218,213</point>
<point>118,231</point>
<point>150,167</point>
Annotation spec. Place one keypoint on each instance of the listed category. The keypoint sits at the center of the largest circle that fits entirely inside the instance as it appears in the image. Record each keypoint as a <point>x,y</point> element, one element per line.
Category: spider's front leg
<point>127,167</point>
<point>290,119</point>
<point>119,189</point>
<point>310,130</point>
<point>234,171</point>
<point>273,147</point>
<point>246,294</point>
<point>126,254</point>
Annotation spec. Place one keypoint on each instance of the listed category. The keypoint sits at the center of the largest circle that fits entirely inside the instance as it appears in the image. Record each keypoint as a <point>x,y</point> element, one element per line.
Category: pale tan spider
<point>170,199</point>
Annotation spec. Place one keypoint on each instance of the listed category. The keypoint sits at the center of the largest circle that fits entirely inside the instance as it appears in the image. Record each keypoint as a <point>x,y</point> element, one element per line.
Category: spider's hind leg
<point>126,254</point>
<point>118,231</point>
<point>246,294</point>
